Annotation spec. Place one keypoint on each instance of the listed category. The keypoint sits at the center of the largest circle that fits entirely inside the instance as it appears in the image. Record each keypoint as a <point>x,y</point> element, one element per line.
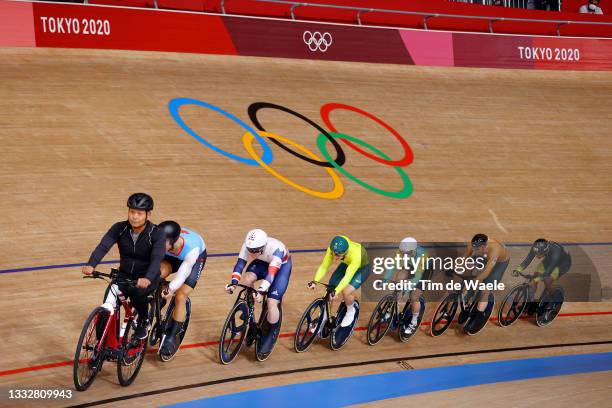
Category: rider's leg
<point>415,304</point>
<point>180,303</point>
<point>248,279</point>
<point>276,291</point>
<point>349,301</point>
<point>273,311</point>
<point>415,295</point>
<point>496,275</point>
<point>483,300</point>
<point>478,320</point>
<point>349,298</point>
<point>165,269</point>
<point>415,308</point>
<point>533,304</point>
<point>179,314</point>
<point>182,294</point>
<point>138,299</point>
<point>550,279</point>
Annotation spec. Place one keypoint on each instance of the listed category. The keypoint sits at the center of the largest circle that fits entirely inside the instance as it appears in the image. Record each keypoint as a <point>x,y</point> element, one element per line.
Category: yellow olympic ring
<point>336,192</point>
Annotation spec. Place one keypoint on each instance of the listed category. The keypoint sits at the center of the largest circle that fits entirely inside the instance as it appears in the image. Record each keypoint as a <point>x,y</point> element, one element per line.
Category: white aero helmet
<point>408,244</point>
<point>255,240</point>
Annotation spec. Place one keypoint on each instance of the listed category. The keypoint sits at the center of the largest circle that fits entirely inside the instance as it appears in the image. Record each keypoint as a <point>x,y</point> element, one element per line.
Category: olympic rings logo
<point>317,41</point>
<point>297,150</point>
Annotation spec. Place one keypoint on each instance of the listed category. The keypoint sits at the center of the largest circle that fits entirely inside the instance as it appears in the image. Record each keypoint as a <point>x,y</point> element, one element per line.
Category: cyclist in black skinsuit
<point>555,262</point>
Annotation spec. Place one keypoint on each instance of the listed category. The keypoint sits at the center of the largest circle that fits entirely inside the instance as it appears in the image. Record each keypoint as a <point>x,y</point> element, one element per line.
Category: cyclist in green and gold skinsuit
<point>349,274</point>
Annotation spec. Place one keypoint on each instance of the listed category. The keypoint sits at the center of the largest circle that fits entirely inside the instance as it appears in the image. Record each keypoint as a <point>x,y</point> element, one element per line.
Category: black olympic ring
<point>256,106</point>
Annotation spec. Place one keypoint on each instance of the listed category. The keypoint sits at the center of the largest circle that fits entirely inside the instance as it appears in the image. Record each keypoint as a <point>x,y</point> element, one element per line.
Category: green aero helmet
<point>339,245</point>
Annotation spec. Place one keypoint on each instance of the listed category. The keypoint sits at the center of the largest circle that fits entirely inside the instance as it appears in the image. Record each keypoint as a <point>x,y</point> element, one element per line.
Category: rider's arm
<point>240,264</point>
<point>158,239</point>
<point>526,261</point>
<point>491,261</point>
<point>184,270</point>
<point>391,274</point>
<point>468,251</point>
<point>108,240</point>
<point>327,260</point>
<point>354,254</point>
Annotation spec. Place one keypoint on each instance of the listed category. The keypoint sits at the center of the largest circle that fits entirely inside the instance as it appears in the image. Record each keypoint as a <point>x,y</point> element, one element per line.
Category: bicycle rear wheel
<point>181,334</point>
<point>234,332</point>
<point>87,360</point>
<point>132,355</point>
<point>341,335</point>
<point>513,306</point>
<point>549,307</point>
<point>444,314</point>
<point>309,326</point>
<point>380,321</point>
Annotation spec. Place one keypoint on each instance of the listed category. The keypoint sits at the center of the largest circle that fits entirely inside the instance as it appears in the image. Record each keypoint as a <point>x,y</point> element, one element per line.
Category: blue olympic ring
<point>176,103</point>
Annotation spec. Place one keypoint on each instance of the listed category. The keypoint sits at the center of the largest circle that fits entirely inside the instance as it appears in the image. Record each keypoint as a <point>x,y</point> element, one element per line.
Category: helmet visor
<point>258,250</point>
<point>411,252</point>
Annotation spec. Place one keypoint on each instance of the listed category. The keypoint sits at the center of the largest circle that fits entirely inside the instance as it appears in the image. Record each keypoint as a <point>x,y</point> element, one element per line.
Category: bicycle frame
<point>112,336</point>
<point>331,322</point>
<point>246,294</point>
<point>113,331</point>
<point>466,296</point>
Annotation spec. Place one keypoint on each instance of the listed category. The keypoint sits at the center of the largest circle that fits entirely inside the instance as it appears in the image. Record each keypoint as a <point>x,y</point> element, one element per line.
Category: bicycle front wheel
<point>132,355</point>
<point>513,306</point>
<point>380,321</point>
<point>444,314</point>
<point>309,326</point>
<point>88,357</point>
<point>234,332</point>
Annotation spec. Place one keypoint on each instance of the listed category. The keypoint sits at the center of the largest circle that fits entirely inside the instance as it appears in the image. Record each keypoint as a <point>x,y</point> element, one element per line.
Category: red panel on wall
<point>498,51</point>
<point>105,27</point>
<point>288,39</point>
<point>190,5</point>
<point>124,3</point>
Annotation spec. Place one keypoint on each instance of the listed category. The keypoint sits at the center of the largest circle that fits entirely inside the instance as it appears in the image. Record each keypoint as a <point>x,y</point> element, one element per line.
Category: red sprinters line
<point>215,343</point>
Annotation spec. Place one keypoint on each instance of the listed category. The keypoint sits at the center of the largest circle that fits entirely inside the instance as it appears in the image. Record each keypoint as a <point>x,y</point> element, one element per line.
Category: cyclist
<point>497,257</point>
<point>185,255</point>
<point>409,246</point>
<point>555,261</point>
<point>349,274</point>
<point>270,263</point>
<point>141,249</point>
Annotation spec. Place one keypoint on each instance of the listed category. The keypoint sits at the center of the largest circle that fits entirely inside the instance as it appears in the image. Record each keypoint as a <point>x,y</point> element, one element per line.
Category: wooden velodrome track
<point>515,154</point>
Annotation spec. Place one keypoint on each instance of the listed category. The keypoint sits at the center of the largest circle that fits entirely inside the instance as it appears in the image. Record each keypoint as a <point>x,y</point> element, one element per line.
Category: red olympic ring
<point>408,155</point>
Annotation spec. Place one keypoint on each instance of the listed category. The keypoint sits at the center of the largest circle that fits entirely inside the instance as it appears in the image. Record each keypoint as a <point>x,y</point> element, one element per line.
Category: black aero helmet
<point>540,246</point>
<point>172,229</point>
<point>140,201</point>
<point>479,240</point>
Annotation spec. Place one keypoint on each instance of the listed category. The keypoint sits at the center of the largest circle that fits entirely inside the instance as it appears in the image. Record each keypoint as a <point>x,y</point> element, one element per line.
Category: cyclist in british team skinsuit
<point>270,263</point>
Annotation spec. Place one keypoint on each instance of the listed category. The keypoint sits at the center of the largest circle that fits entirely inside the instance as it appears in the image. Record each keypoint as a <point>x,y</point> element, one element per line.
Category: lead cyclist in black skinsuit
<point>142,246</point>
<point>555,262</point>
